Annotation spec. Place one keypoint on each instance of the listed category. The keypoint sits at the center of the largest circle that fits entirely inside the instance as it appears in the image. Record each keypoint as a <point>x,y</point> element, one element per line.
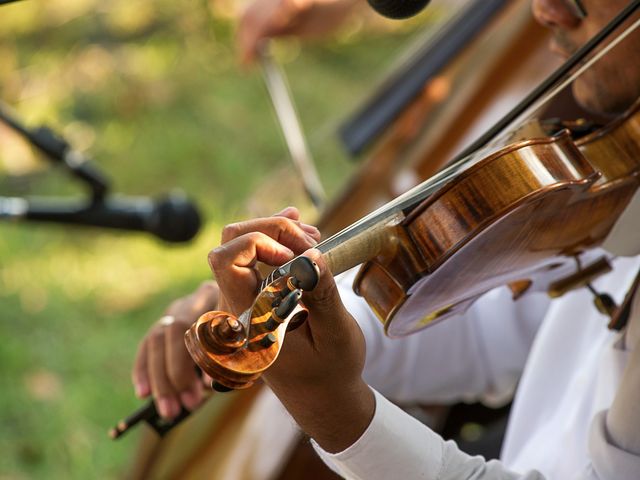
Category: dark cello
<point>539,176</point>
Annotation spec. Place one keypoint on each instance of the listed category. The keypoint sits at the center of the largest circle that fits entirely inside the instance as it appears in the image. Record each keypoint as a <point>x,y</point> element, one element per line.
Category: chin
<point>607,99</point>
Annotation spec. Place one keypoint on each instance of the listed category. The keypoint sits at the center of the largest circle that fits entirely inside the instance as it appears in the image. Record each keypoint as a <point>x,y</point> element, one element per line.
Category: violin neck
<point>357,247</point>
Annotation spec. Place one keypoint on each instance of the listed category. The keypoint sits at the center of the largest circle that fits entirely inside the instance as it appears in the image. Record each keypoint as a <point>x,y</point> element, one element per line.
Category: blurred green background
<point>152,91</point>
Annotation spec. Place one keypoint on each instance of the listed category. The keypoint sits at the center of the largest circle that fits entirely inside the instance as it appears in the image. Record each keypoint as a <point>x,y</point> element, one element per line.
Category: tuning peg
<point>288,304</point>
<point>265,342</point>
<point>280,313</point>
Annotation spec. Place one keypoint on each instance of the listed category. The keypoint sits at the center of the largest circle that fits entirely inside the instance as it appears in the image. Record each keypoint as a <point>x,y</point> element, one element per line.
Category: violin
<point>528,215</point>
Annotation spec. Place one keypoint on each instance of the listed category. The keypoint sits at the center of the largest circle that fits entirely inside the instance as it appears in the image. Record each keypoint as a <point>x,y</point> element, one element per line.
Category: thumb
<point>324,303</point>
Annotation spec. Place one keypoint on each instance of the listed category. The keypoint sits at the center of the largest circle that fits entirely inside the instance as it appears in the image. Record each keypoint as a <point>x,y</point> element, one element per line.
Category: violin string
<point>421,191</point>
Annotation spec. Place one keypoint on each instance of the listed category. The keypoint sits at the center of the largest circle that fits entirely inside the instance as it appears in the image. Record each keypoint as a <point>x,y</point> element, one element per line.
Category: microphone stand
<point>56,149</point>
<point>171,218</point>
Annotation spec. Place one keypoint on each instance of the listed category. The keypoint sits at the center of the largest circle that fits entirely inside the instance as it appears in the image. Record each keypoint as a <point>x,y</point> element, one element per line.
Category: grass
<point>152,92</point>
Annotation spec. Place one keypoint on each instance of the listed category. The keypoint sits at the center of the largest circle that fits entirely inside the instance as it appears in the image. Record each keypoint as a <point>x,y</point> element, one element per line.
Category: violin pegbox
<point>234,351</point>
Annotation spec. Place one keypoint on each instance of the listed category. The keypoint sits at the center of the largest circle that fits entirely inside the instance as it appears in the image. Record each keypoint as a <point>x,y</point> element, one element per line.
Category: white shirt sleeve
<point>395,445</point>
<point>608,462</point>
<point>476,356</point>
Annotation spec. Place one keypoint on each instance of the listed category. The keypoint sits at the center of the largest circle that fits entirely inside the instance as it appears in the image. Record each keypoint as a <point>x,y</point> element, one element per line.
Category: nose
<point>555,13</point>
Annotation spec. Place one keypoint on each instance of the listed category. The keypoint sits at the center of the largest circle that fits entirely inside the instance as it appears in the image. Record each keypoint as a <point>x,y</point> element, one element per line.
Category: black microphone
<point>398,9</point>
<point>172,218</point>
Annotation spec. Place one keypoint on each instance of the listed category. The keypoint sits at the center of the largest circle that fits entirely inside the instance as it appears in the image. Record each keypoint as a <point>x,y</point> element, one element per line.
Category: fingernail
<point>309,228</point>
<point>164,407</point>
<point>141,389</point>
<point>311,240</point>
<point>189,399</point>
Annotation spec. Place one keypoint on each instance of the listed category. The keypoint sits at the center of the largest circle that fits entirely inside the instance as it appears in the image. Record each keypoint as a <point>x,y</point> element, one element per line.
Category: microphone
<point>172,218</point>
<point>398,9</point>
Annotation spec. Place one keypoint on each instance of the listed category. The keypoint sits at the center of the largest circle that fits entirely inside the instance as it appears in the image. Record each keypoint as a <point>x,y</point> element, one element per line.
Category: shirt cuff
<point>394,445</point>
<point>608,461</point>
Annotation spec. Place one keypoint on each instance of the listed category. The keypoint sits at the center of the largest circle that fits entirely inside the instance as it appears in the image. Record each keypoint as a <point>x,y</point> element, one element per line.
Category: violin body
<point>527,216</point>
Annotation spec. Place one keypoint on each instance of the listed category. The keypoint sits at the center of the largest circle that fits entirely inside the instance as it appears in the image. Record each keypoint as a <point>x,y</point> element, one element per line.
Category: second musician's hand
<point>163,367</point>
<point>264,19</point>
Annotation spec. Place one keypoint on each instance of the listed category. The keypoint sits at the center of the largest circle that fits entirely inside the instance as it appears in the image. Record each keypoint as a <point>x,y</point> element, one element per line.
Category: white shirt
<point>572,368</point>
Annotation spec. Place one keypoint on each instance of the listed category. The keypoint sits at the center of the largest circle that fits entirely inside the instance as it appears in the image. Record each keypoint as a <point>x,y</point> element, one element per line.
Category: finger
<point>180,367</point>
<point>248,45</point>
<point>324,301</point>
<point>233,264</point>
<point>205,298</point>
<point>284,230</point>
<point>311,231</point>
<point>165,398</point>
<point>253,37</point>
<point>252,30</point>
<point>291,213</point>
<point>139,373</point>
<point>246,250</point>
<point>245,30</point>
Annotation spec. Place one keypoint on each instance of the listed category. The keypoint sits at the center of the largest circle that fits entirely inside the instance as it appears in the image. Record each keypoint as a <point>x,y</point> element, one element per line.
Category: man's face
<point>613,83</point>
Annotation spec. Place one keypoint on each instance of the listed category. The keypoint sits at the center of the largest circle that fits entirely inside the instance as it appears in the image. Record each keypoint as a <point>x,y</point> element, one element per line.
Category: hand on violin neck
<point>318,375</point>
<point>329,347</point>
<point>272,240</point>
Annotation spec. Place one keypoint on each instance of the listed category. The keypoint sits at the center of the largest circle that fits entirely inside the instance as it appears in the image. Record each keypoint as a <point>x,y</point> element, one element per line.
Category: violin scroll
<point>234,351</point>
